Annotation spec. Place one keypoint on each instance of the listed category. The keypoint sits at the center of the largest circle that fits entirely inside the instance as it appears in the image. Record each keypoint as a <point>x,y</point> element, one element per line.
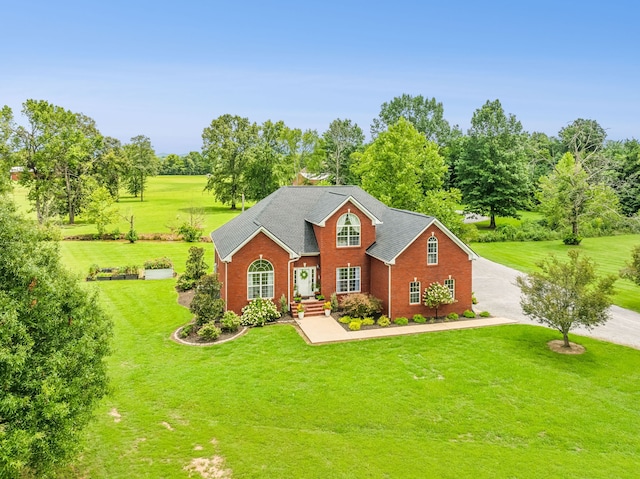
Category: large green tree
<point>491,172</point>
<point>300,150</point>
<point>142,162</point>
<point>400,166</point>
<point>425,114</point>
<point>341,139</point>
<point>563,295</point>
<point>570,197</point>
<point>228,146</point>
<point>57,147</point>
<point>54,337</point>
<point>266,156</point>
<point>625,173</point>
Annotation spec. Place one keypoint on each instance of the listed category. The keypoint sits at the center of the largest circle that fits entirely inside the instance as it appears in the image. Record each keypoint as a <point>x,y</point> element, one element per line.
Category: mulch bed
<point>345,326</point>
<point>184,299</point>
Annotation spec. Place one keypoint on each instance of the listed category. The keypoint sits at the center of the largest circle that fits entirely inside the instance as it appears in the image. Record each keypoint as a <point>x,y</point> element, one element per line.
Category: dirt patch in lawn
<point>209,468</point>
<point>557,345</point>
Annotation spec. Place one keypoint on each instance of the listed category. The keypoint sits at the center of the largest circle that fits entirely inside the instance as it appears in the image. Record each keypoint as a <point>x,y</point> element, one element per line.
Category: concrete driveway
<point>496,291</point>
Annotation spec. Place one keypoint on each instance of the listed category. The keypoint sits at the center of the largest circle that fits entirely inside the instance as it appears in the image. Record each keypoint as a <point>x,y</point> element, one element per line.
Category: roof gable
<point>330,203</point>
<point>400,229</point>
<point>287,217</point>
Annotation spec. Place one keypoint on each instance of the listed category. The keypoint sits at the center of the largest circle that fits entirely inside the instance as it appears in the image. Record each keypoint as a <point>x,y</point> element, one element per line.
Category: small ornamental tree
<point>207,305</point>
<point>195,269</point>
<point>632,270</point>
<point>437,295</point>
<point>101,209</point>
<point>565,295</point>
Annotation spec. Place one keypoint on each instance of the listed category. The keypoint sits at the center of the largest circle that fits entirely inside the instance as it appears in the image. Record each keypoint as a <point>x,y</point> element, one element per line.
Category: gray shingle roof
<point>288,214</point>
<point>398,230</point>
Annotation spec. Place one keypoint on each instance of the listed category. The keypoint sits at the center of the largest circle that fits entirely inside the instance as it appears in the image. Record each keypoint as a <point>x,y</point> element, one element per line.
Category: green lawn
<point>484,403</point>
<point>492,402</point>
<point>609,253</point>
<point>166,199</point>
<point>524,216</point>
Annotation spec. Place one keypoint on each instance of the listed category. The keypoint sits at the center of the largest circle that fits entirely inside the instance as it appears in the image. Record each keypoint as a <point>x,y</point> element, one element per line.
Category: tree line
<point>414,160</point>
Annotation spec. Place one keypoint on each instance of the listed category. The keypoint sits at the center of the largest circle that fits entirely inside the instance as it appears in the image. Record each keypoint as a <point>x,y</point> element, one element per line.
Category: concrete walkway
<point>496,290</point>
<point>320,329</point>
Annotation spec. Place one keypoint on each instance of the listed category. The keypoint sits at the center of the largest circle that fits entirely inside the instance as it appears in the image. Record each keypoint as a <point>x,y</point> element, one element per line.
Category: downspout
<point>289,263</point>
<point>389,293</point>
<point>226,287</point>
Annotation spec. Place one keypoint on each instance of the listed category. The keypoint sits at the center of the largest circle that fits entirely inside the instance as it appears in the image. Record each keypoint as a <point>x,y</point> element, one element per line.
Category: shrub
<point>195,269</point>
<point>158,263</point>
<point>230,322</point>
<point>207,305</point>
<point>345,319</point>
<point>258,312</point>
<point>485,314</point>
<point>94,269</point>
<point>384,321</point>
<point>368,321</point>
<point>355,325</point>
<point>186,331</point>
<point>401,321</point>
<point>469,314</point>
<point>418,318</point>
<point>360,305</point>
<point>209,332</point>
<point>189,233</point>
<point>453,316</point>
<point>334,302</point>
<point>284,305</point>
<point>572,240</point>
<point>131,236</point>
<point>474,300</point>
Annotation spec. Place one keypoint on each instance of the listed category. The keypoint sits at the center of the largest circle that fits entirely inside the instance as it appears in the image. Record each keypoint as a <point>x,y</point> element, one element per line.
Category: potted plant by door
<point>300,310</point>
<point>327,308</point>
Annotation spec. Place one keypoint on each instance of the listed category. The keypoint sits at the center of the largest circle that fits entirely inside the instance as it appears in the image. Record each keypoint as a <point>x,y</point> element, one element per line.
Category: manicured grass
<point>79,255</point>
<point>492,402</point>
<point>165,199</point>
<point>524,216</point>
<point>610,253</point>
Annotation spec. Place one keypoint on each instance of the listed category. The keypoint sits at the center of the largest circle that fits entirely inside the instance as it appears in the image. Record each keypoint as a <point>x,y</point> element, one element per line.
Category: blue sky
<point>166,69</point>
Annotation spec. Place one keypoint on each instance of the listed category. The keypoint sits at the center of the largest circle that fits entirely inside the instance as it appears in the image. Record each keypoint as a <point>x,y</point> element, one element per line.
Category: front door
<point>304,281</point>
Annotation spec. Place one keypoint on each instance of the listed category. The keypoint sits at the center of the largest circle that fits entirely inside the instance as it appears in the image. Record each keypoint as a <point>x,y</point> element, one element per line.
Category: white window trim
<point>261,287</point>
<point>358,278</point>
<point>413,292</point>
<point>357,227</point>
<point>432,241</point>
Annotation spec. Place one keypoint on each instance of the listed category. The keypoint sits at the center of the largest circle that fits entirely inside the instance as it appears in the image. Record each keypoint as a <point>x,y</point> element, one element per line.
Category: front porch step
<point>312,307</point>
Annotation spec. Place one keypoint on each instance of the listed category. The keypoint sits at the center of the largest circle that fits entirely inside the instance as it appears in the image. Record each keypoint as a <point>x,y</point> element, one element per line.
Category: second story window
<point>348,231</point>
<point>432,250</point>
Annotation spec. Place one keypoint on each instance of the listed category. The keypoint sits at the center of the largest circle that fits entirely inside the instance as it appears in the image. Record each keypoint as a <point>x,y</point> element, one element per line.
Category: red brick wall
<point>412,263</point>
<point>236,277</point>
<point>333,257</point>
<point>380,283</point>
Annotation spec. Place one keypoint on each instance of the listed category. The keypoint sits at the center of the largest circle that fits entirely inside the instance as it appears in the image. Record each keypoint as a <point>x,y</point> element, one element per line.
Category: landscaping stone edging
<point>177,339</point>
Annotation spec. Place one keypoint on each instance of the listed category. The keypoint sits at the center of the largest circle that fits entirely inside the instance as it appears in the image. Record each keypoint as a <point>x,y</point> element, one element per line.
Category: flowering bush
<point>158,263</point>
<point>437,295</point>
<point>258,312</point>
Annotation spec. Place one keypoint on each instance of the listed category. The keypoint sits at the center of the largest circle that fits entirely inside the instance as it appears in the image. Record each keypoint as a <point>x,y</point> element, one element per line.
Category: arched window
<point>260,279</point>
<point>348,232</point>
<point>432,250</point>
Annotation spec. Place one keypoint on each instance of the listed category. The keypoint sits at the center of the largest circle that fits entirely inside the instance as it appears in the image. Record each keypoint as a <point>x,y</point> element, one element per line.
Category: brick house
<point>339,239</point>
